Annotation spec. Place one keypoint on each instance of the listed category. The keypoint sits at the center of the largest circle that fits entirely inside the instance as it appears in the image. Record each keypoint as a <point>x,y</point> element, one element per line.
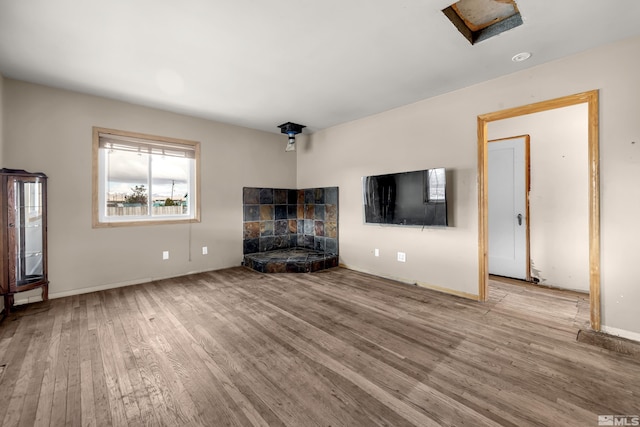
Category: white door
<point>507,176</point>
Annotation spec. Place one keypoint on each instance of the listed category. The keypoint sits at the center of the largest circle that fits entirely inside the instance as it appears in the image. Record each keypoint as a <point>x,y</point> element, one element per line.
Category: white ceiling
<point>260,63</point>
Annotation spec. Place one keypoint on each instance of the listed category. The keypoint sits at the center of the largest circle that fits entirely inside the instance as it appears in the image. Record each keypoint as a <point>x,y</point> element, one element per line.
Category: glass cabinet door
<point>26,231</point>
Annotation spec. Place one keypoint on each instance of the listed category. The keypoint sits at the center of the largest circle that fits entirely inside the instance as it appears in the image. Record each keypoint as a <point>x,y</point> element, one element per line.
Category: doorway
<point>591,99</point>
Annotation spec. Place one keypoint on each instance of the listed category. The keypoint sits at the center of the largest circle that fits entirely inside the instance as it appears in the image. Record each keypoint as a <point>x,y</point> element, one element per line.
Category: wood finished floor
<point>335,348</point>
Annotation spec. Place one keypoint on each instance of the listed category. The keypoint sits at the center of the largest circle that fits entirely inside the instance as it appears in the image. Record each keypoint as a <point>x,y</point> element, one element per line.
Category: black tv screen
<point>407,198</point>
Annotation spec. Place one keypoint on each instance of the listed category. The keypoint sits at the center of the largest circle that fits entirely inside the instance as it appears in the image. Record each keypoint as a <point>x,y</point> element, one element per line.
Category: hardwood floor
<point>335,348</point>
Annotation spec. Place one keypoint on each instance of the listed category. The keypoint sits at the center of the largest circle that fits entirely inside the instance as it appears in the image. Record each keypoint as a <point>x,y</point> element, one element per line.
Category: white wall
<point>50,130</point>
<point>442,131</point>
<point>414,137</point>
<point>559,196</point>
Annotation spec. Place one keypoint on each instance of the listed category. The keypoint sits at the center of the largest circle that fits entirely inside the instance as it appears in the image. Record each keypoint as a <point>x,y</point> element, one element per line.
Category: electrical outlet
<point>376,252</point>
<point>165,254</point>
<point>402,257</point>
<point>205,250</point>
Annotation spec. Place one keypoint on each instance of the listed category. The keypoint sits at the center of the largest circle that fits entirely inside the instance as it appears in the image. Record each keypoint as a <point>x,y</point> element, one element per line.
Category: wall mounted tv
<point>407,198</point>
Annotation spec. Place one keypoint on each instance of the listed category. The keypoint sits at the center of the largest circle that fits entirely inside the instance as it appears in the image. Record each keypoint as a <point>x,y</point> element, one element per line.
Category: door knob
<point>519,219</point>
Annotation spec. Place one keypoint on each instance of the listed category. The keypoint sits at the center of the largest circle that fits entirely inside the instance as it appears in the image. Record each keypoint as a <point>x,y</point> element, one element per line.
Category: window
<point>143,179</point>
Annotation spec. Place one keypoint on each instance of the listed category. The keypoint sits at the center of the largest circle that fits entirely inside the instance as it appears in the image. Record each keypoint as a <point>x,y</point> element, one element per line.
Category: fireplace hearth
<point>290,231</point>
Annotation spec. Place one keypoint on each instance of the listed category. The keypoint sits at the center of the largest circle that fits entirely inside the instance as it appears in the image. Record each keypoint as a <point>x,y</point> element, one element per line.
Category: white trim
<point>63,294</point>
<point>73,292</point>
<point>362,270</point>
<point>26,300</point>
<point>634,336</point>
<point>440,289</point>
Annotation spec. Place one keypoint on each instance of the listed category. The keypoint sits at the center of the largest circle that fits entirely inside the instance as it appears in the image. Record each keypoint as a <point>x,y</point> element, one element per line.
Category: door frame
<point>527,188</point>
<point>592,100</point>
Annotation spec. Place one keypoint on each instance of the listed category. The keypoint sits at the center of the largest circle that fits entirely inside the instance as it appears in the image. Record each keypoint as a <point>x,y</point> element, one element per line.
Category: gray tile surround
<point>276,218</point>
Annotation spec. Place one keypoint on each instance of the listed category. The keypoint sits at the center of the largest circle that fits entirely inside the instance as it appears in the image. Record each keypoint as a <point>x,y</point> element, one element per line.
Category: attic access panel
<point>478,20</point>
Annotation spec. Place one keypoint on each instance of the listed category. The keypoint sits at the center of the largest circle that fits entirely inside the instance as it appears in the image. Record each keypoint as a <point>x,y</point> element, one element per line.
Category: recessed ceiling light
<point>522,56</point>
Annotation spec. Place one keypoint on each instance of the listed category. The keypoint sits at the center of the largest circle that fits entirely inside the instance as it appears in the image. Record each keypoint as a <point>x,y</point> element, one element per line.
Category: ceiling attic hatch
<point>478,20</point>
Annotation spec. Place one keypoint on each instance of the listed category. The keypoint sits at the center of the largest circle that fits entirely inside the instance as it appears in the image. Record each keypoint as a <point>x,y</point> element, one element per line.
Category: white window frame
<point>153,145</point>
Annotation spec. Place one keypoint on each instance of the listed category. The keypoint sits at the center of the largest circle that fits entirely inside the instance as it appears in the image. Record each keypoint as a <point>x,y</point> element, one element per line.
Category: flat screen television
<point>407,198</point>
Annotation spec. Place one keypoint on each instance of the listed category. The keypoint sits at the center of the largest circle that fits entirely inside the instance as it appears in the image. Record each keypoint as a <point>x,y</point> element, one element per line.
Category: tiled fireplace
<point>286,230</point>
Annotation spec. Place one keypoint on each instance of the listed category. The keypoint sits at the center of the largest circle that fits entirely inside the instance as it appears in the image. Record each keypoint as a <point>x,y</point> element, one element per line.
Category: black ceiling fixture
<point>291,129</point>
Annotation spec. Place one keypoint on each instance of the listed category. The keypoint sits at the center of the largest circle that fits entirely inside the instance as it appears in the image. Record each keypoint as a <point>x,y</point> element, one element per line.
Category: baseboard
<point>104,287</point>
<point>634,336</point>
<point>414,283</point>
<point>609,342</point>
<point>461,294</point>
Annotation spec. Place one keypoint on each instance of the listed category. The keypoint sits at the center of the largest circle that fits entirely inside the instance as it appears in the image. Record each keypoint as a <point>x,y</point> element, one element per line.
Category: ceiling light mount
<point>522,56</point>
<point>291,129</point>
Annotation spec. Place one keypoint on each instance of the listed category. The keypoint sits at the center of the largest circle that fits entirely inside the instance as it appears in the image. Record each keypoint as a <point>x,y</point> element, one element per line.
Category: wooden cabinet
<point>23,234</point>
